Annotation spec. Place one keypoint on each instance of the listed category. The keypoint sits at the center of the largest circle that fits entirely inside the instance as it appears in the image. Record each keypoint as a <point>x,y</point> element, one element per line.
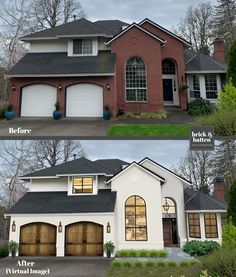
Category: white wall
<point>65,219</point>
<point>173,188</point>
<point>102,45</point>
<point>48,46</point>
<point>58,184</point>
<point>135,181</point>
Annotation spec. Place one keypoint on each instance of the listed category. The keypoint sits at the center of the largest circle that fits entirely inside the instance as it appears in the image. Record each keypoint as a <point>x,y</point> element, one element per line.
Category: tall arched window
<point>135,218</point>
<point>168,206</point>
<point>136,82</point>
<point>168,67</point>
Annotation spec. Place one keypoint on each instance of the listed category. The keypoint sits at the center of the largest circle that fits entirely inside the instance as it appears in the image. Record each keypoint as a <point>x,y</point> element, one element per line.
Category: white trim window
<point>136,81</point>
<point>211,86</point>
<point>82,185</point>
<point>82,46</point>
<point>194,86</point>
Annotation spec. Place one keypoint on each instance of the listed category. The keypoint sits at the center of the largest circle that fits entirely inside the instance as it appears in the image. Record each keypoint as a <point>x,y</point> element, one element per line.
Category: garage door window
<point>82,185</point>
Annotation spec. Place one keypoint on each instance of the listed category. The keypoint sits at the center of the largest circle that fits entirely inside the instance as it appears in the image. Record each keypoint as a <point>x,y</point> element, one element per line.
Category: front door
<point>168,90</point>
<point>84,239</point>
<point>170,231</point>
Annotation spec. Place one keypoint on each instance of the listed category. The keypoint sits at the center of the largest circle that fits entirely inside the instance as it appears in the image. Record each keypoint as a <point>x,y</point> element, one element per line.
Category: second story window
<point>82,185</point>
<point>82,47</point>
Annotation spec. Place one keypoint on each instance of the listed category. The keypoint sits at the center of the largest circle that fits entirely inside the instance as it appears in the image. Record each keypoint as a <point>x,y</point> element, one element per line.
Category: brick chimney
<point>219,50</point>
<point>219,189</point>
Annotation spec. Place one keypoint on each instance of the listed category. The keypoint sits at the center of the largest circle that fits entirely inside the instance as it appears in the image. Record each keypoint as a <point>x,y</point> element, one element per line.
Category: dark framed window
<point>211,230</point>
<point>136,81</point>
<point>82,46</point>
<point>82,185</point>
<point>211,86</point>
<point>194,86</point>
<point>194,225</point>
<point>168,67</point>
<point>135,219</point>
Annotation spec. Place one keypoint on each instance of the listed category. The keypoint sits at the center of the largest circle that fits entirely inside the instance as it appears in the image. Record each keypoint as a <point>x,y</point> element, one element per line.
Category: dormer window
<point>82,185</point>
<point>82,46</point>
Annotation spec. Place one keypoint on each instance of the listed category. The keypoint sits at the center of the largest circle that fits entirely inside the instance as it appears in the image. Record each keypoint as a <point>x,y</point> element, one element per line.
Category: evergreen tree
<point>232,63</point>
<point>225,17</point>
<point>231,212</point>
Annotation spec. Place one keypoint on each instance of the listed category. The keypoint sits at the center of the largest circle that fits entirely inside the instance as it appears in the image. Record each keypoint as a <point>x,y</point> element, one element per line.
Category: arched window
<point>135,218</point>
<point>136,83</point>
<point>168,67</point>
<point>168,206</point>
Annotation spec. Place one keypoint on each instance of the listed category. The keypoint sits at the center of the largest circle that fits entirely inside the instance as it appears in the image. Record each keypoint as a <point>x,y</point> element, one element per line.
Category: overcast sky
<point>165,152</point>
<point>166,13</point>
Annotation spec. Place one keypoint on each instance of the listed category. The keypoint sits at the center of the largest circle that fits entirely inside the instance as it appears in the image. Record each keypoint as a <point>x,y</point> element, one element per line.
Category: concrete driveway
<point>75,127</point>
<point>58,267</point>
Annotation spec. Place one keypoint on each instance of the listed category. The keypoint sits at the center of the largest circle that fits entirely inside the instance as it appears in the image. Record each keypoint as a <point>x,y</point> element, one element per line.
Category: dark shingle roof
<point>195,61</point>
<point>78,27</point>
<point>60,63</point>
<point>196,200</point>
<point>115,165</point>
<point>60,202</point>
<point>78,166</point>
<point>115,26</point>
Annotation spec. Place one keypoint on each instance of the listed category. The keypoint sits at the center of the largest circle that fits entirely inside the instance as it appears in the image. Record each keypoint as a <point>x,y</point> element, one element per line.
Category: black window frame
<point>194,234</point>
<point>215,226</point>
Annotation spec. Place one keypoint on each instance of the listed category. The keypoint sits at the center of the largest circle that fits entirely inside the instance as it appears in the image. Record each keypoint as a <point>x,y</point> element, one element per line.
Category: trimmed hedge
<point>200,248</point>
<point>132,253</point>
<point>168,264</point>
<point>4,251</point>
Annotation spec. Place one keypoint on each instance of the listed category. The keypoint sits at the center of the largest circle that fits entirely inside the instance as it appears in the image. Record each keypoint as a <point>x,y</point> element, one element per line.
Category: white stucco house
<point>72,209</point>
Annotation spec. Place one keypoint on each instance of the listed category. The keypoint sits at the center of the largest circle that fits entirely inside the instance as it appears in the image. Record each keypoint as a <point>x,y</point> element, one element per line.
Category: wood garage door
<point>38,100</point>
<point>84,239</point>
<point>38,239</point>
<point>84,100</point>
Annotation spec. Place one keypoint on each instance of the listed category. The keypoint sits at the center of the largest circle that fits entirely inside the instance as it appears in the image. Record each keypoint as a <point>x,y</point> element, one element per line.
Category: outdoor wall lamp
<point>108,228</point>
<point>166,206</point>
<point>60,87</point>
<point>13,87</point>
<point>108,87</point>
<point>13,226</point>
<point>60,227</point>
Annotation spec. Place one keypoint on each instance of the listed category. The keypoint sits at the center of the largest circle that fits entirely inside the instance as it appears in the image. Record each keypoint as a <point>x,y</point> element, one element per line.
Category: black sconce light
<point>60,87</point>
<point>166,206</point>
<point>60,227</point>
<point>13,227</point>
<point>108,87</point>
<point>13,87</point>
<point>108,228</point>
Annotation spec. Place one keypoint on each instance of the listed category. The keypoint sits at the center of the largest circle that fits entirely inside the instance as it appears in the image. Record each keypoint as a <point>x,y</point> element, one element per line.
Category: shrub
<point>157,115</point>
<point>172,264</point>
<point>163,253</point>
<point>200,106</point>
<point>199,248</point>
<point>227,97</point>
<point>138,264</point>
<point>160,263</point>
<point>184,263</point>
<point>143,253</point>
<point>2,112</point>
<point>229,235</point>
<point>231,212</point>
<point>122,253</point>
<point>221,263</point>
<point>149,264</point>
<point>127,263</point>
<point>222,120</point>
<point>116,264</point>
<point>4,250</point>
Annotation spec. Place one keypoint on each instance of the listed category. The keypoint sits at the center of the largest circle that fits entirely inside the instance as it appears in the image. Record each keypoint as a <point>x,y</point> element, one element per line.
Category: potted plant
<point>9,114</point>
<point>109,248</point>
<point>57,112</point>
<point>183,87</point>
<point>13,247</point>
<point>106,113</point>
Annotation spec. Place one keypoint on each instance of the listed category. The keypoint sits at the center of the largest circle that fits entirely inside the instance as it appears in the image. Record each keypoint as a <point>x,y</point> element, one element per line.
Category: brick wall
<point>1,82</point>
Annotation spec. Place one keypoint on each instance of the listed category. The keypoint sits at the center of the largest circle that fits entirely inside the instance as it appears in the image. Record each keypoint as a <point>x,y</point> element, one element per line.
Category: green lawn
<point>179,130</point>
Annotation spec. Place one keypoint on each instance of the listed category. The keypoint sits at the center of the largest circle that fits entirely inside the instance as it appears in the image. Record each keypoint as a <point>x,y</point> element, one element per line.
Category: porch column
<point>60,246</point>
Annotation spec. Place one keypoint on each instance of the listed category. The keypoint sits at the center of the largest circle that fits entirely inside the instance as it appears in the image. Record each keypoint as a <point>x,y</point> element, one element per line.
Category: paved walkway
<point>58,267</point>
<point>71,127</point>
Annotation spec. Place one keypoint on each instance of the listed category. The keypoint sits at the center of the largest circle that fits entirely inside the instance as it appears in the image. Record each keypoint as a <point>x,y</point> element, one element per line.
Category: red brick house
<point>85,65</point>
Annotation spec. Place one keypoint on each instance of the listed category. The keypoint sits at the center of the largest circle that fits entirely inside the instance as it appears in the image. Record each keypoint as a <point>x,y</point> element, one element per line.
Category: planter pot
<point>108,254</point>
<point>57,115</point>
<point>121,112</point>
<point>106,115</point>
<point>10,115</point>
<point>13,253</point>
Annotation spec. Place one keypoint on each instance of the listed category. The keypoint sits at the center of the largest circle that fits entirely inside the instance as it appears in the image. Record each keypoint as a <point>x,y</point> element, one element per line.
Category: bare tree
<point>196,167</point>
<point>196,27</point>
<point>50,13</point>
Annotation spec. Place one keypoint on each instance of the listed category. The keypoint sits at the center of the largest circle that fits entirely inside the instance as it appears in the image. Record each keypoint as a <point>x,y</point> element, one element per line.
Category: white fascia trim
<point>164,30</point>
<point>84,174</point>
<point>40,38</point>
<point>59,214</point>
<point>165,170</point>
<point>205,211</point>
<point>137,165</point>
<point>83,36</point>
<point>39,177</point>
<point>206,71</point>
<point>140,28</point>
<point>60,75</point>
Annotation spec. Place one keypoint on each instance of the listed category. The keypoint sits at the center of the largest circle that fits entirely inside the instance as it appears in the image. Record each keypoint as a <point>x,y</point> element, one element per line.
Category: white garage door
<point>84,100</point>
<point>38,100</point>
